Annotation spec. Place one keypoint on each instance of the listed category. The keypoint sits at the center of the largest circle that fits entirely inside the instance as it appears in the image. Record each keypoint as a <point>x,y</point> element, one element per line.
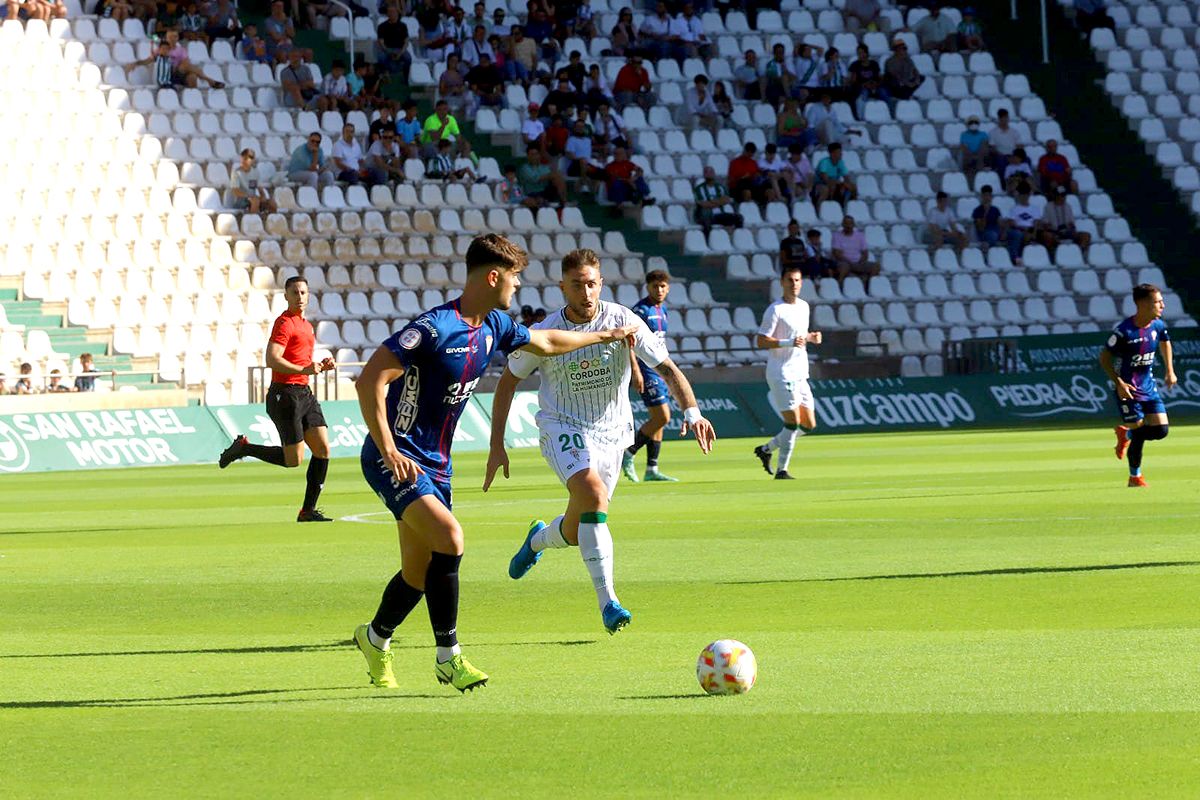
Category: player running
<point>428,371</point>
<point>653,310</point>
<point>586,423</point>
<point>1128,360</point>
<point>784,331</point>
<point>291,405</point>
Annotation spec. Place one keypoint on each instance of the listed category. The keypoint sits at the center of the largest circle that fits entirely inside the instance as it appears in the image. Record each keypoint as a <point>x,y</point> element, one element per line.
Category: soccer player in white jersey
<point>784,332</point>
<point>586,423</point>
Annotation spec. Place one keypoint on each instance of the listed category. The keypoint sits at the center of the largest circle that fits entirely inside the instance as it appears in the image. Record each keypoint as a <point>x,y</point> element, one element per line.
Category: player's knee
<point>320,450</point>
<point>448,538</point>
<point>292,459</point>
<point>1155,432</point>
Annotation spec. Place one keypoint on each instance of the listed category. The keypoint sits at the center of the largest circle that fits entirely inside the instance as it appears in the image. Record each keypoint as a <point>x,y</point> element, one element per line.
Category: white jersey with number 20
<point>588,389</point>
<point>786,321</point>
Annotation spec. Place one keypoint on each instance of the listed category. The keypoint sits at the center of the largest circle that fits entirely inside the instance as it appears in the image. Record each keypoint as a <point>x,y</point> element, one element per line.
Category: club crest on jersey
<point>487,344</point>
<point>410,338</point>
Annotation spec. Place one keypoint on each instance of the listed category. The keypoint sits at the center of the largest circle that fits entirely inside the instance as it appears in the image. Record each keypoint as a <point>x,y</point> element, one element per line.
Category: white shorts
<point>787,394</point>
<point>569,451</point>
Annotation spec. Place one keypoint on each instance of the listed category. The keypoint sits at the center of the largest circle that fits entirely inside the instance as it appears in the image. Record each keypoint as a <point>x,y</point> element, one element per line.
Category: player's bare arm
<point>501,403</point>
<point>551,342</point>
<point>1124,390</point>
<point>381,369</point>
<point>277,362</point>
<point>639,382</point>
<point>771,343</point>
<point>681,390</point>
<point>1169,361</point>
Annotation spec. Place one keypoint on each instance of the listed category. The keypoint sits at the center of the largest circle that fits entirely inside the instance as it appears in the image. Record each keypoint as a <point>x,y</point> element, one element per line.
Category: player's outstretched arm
<point>550,342</point>
<point>1169,362</point>
<point>381,369</point>
<point>501,403</point>
<point>681,390</point>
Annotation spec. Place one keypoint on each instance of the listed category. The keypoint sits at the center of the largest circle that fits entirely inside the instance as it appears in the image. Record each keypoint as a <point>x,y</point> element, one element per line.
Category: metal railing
<point>44,382</point>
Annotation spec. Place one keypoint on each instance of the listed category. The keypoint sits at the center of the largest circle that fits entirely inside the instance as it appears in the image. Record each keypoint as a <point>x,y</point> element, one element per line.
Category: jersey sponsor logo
<point>452,351</point>
<point>428,325</point>
<point>406,404</point>
<point>410,338</point>
<point>457,393</point>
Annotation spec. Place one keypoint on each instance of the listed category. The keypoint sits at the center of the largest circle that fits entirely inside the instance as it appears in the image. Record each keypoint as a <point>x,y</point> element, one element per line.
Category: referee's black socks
<point>271,455</point>
<point>318,468</point>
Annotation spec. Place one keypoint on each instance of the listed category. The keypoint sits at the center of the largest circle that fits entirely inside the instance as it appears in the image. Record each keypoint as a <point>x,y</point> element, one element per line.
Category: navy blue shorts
<point>655,393</point>
<point>399,496</point>
<point>1136,410</point>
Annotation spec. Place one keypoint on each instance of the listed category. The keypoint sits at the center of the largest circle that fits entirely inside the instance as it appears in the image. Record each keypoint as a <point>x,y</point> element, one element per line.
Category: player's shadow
<point>283,648</point>
<point>123,529</point>
<point>691,696</point>
<point>976,573</point>
<point>243,697</point>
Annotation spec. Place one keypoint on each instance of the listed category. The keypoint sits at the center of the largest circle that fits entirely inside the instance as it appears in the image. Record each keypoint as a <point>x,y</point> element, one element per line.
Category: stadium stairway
<point>1073,86</point>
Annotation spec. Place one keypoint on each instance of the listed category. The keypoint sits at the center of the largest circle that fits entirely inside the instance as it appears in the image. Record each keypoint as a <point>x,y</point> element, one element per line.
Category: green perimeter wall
<point>194,435</point>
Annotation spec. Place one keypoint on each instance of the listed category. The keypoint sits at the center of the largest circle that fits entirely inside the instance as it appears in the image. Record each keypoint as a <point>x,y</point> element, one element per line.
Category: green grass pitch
<point>949,614</point>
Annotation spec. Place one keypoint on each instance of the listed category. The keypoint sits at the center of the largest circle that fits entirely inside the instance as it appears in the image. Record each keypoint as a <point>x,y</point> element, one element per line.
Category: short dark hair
<point>835,146</point>
<point>942,196</point>
<point>577,259</point>
<point>1144,290</point>
<point>1002,112</point>
<point>337,62</point>
<point>657,276</point>
<point>788,269</point>
<point>292,280</point>
<point>509,168</point>
<point>987,189</point>
<point>813,232</point>
<point>493,250</point>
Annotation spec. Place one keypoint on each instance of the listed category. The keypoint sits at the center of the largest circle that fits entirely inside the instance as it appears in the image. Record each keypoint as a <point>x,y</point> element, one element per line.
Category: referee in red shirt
<point>291,404</point>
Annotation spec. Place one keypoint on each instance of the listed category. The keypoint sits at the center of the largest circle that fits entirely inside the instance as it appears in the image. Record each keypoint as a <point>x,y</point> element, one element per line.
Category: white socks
<point>785,448</point>
<point>376,640</point>
<point>444,654</point>
<point>596,549</point>
<point>549,537</point>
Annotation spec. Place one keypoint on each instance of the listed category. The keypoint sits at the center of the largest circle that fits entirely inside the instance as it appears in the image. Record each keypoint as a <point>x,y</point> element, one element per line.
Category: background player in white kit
<point>784,332</point>
<point>586,423</point>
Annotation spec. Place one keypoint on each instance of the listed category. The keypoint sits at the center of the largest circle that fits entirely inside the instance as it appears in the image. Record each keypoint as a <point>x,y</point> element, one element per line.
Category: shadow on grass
<point>692,696</point>
<point>283,648</point>
<point>977,572</point>
<point>243,697</point>
<point>35,531</point>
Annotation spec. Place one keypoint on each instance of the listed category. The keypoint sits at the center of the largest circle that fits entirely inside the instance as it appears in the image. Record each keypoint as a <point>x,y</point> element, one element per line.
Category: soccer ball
<point>726,667</point>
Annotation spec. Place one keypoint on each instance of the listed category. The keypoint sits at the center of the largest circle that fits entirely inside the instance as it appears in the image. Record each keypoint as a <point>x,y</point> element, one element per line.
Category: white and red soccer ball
<point>726,667</point>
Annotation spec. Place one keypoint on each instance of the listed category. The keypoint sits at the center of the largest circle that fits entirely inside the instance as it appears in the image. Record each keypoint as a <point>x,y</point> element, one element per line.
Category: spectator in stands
<point>384,159</point>
<point>458,29</point>
<point>408,129</point>
<point>348,158</point>
<point>335,90</point>
<point>191,24</point>
<point>486,84</point>
<point>793,251</point>
<point>624,35</point>
<point>476,47</point>
<point>780,80</point>
<point>556,136</point>
<point>452,85</point>
<point>56,385</point>
<point>687,33</point>
<point>584,24</point>
<point>366,86</point>
<point>1019,171</point>
<point>626,183</point>
<point>791,127</point>
<point>824,122</point>
<point>246,191</point>
<point>522,57</point>
<point>1091,14</point>
<point>596,91</point>
<point>865,82</point>
<point>1057,224</point>
<point>296,81</point>
<point>900,75</point>
<point>86,380</point>
<point>499,27</point>
<point>833,180</point>
<point>986,219</point>
<point>511,193</point>
<point>723,101</point>
<point>1020,226</point>
<point>24,384</point>
<point>833,76</point>
<point>45,10</point>
<point>633,84</point>
<point>655,34</point>
<point>937,33</point>
<point>221,21</point>
<point>527,316</point>
<point>533,130</point>
<point>1054,171</point>
<point>540,29</point>
<point>700,109</point>
<point>745,181</point>
<point>776,172</point>
<point>439,125</point>
<point>479,17</point>
<point>799,172</point>
<point>609,129</point>
<point>943,225</point>
<point>254,47</point>
<point>748,78</point>
<point>863,16</point>
<point>1002,141</point>
<point>540,180</point>
<point>308,165</point>
<point>279,32</point>
<point>807,68</point>
<point>539,315</point>
<point>850,252</point>
<point>577,157</point>
<point>166,76</point>
<point>434,36</point>
<point>576,71</point>
<point>179,57</point>
<point>441,167</point>
<point>973,149</point>
<point>819,264</point>
<point>561,97</point>
<point>714,206</point>
<point>120,10</point>
<point>970,32</point>
<point>391,47</point>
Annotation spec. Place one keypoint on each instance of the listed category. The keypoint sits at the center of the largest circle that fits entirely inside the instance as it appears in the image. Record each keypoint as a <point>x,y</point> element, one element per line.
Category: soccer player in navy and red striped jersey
<point>1128,359</point>
<point>412,392</point>
<point>291,405</point>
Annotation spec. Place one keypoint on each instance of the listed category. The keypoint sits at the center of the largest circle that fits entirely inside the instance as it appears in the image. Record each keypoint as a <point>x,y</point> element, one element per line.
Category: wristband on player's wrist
<point>787,343</point>
<point>691,415</point>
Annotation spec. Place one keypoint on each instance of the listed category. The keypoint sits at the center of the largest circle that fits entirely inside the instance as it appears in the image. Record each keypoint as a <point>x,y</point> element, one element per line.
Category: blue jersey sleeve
<point>1163,334</point>
<point>642,310</point>
<point>413,343</point>
<point>510,334</point>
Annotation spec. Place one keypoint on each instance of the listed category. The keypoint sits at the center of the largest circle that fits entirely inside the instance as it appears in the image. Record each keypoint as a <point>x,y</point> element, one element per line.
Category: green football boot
<point>459,673</point>
<point>654,475</point>
<point>379,662</point>
<point>627,467</point>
